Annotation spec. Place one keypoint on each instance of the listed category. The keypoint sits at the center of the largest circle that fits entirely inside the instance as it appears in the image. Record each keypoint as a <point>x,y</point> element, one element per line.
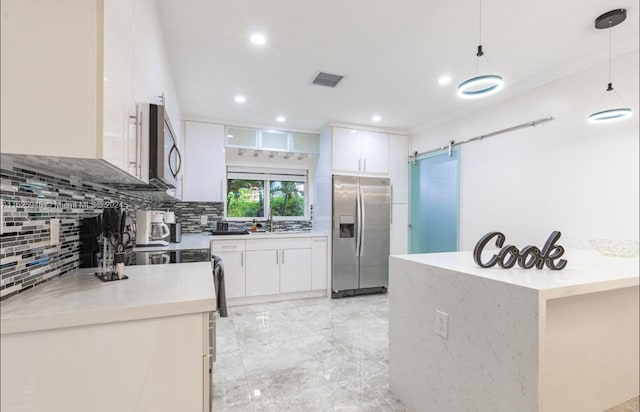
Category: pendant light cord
<point>609,52</point>
<point>480,24</point>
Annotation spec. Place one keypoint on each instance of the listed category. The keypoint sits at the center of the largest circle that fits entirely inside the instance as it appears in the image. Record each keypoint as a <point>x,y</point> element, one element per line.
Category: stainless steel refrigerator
<point>360,235</point>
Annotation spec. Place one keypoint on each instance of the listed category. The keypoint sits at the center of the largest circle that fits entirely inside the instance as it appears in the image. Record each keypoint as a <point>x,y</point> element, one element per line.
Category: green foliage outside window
<point>245,198</point>
<point>286,198</point>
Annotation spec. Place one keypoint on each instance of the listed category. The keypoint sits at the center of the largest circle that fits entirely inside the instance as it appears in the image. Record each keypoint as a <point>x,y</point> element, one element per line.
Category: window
<point>245,198</point>
<point>252,192</point>
<point>286,198</point>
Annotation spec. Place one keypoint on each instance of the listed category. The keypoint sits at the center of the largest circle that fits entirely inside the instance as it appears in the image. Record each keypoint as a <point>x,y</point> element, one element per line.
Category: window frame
<point>267,196</point>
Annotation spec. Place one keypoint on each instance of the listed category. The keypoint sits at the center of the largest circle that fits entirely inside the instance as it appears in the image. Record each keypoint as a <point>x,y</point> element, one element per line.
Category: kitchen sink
<point>229,232</point>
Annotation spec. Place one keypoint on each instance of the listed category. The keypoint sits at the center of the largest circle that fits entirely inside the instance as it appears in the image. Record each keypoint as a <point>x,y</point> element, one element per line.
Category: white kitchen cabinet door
<point>399,167</point>
<point>375,153</point>
<point>399,229</point>
<point>234,274</point>
<point>295,270</point>
<point>262,272</point>
<point>118,102</point>
<point>205,171</point>
<point>319,263</point>
<point>346,150</point>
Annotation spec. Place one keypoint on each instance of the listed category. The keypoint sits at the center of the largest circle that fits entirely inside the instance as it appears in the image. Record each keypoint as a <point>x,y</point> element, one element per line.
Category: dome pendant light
<point>614,112</point>
<point>480,85</point>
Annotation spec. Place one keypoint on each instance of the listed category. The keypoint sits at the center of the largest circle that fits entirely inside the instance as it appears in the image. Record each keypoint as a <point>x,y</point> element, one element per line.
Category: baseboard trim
<point>250,300</point>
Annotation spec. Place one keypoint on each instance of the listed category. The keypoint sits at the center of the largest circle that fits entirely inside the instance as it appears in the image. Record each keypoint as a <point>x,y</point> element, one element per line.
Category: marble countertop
<point>79,298</point>
<point>587,271</point>
<point>202,240</point>
<point>271,235</point>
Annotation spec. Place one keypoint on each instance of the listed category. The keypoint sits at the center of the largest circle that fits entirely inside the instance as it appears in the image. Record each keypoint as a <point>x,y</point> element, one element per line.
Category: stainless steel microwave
<point>165,159</point>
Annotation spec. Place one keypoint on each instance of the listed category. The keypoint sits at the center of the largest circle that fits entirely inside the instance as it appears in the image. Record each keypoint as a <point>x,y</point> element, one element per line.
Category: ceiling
<point>391,54</point>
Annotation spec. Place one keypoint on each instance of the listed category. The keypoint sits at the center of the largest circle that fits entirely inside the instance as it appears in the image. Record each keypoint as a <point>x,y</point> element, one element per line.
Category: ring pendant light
<point>480,85</point>
<point>614,112</point>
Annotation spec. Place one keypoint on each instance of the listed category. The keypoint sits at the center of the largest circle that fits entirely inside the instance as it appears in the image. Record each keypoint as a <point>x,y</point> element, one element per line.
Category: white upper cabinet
<point>205,173</point>
<point>119,128</point>
<point>72,74</point>
<point>375,153</point>
<point>399,167</point>
<point>359,152</point>
<point>346,150</point>
<point>52,78</point>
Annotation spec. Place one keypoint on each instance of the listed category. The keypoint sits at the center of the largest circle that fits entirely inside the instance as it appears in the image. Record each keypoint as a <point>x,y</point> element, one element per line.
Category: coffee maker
<point>151,228</point>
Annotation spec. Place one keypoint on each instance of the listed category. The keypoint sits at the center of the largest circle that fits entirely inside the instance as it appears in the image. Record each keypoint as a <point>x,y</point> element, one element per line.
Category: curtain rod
<point>453,143</point>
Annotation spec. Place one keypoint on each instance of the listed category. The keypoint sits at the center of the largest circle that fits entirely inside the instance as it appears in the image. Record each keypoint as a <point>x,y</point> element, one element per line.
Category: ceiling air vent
<point>327,79</point>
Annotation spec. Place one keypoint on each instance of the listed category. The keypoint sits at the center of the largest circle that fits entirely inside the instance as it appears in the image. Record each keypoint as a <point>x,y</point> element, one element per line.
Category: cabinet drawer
<point>227,245</point>
<point>271,244</point>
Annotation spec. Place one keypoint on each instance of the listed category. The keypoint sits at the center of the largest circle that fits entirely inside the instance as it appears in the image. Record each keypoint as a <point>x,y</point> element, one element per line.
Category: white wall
<point>567,174</point>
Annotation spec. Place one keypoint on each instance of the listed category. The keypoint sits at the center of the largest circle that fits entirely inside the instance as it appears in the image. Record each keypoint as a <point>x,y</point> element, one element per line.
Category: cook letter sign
<point>526,258</point>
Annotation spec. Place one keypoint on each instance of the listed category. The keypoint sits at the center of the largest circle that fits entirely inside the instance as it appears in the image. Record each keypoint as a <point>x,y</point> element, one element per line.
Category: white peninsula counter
<point>76,343</point>
<point>517,339</point>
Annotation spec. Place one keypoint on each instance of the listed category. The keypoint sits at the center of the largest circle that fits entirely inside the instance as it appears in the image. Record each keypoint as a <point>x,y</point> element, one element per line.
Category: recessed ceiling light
<point>240,99</point>
<point>376,118</point>
<point>281,118</point>
<point>230,136</point>
<point>354,131</point>
<point>258,39</point>
<point>444,80</point>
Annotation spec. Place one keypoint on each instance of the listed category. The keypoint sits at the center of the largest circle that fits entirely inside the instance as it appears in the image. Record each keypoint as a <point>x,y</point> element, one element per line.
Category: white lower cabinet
<point>270,266</point>
<point>156,364</point>
<point>232,254</point>
<point>295,270</point>
<point>234,278</point>
<point>263,272</point>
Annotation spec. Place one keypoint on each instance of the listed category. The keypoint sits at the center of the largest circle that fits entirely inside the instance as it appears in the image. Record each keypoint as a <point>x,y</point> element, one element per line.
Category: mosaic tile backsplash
<point>30,199</point>
<point>32,196</point>
<point>189,213</point>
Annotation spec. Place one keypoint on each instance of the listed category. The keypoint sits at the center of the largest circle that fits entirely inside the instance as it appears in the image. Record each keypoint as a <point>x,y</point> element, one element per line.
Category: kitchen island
<point>513,339</point>
<point>76,343</point>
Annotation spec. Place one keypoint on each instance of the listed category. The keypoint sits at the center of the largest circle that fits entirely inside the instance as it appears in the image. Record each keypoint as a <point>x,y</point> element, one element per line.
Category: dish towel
<point>218,282</point>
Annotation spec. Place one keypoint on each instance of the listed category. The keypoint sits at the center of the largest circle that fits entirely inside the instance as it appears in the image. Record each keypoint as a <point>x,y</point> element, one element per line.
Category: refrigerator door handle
<point>362,220</point>
<point>358,223</point>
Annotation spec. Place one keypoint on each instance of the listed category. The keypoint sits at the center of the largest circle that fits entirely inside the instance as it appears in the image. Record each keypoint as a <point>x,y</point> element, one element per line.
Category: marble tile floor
<point>305,355</point>
<point>309,355</point>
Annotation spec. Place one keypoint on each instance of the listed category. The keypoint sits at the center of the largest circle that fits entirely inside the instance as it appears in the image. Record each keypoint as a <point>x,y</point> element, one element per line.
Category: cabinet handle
<point>359,161</point>
<point>139,140</point>
<point>391,192</point>
<point>277,261</point>
<point>228,246</point>
<point>320,240</point>
<point>283,257</point>
<point>241,259</point>
<point>222,196</point>
<point>391,214</point>
<point>365,165</point>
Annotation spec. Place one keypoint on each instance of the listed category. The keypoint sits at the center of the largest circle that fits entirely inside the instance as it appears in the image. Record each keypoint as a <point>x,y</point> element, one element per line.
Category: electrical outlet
<point>54,231</point>
<point>442,324</point>
<point>204,219</point>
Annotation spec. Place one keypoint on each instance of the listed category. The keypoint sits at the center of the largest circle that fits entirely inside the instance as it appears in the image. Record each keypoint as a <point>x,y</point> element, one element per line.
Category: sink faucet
<point>270,220</point>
